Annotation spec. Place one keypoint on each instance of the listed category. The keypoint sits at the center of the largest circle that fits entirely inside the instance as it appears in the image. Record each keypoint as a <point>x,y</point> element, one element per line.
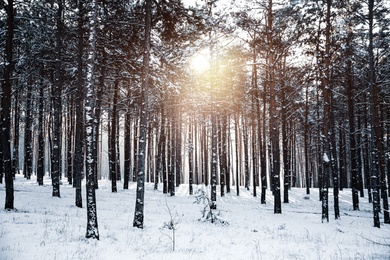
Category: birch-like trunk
<point>92,224</point>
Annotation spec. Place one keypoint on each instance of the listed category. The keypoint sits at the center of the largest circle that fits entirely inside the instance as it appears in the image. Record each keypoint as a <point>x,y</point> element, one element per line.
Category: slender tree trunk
<point>246,155</point>
<point>139,205</point>
<point>262,143</point>
<point>196,154</point>
<point>117,147</point>
<point>27,168</point>
<point>205,167</point>
<point>57,106</point>
<point>274,127</point>
<point>15,157</point>
<point>326,119</point>
<point>135,149</point>
<point>41,140</point>
<point>286,161</point>
<point>221,162</point>
<point>178,161</point>
<point>334,165</point>
<point>92,224</point>
<point>6,109</point>
<point>236,142</point>
<point>366,151</point>
<point>79,100</point>
<point>224,147</point>
<point>127,153</point>
<point>113,158</point>
<point>351,119</point>
<point>70,139</point>
<point>190,155</point>
<point>306,141</point>
<point>374,160</point>
<point>342,160</point>
<point>96,123</point>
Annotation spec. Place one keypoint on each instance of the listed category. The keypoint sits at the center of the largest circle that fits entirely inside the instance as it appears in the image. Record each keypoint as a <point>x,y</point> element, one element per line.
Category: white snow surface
<point>45,227</point>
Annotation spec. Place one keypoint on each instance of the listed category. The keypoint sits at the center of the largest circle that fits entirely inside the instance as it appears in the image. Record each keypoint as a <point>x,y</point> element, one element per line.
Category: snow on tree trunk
<point>374,160</point>
<point>57,107</point>
<point>139,203</point>
<point>6,110</point>
<point>92,224</point>
<point>326,119</point>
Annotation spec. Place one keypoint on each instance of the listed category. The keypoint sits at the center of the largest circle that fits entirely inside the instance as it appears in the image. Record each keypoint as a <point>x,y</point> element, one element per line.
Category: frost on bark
<point>79,151</point>
<point>6,110</point>
<point>56,92</point>
<point>139,203</point>
<point>374,158</point>
<point>326,120</point>
<point>92,224</point>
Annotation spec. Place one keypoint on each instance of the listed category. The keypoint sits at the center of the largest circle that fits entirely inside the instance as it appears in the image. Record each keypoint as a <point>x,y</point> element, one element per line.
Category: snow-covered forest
<point>268,113</point>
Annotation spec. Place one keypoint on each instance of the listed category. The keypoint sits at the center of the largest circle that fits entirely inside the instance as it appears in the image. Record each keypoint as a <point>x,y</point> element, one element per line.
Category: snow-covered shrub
<point>172,225</point>
<point>208,215</point>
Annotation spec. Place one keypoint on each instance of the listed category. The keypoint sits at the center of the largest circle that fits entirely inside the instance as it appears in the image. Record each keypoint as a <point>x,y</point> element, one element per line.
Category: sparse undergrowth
<point>208,214</point>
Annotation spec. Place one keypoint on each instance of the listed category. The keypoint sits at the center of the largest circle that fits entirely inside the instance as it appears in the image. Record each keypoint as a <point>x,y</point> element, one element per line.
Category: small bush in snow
<point>172,225</point>
<point>208,215</point>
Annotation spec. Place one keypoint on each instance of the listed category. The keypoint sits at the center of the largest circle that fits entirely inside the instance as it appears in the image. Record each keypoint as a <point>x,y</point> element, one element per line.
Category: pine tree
<point>139,204</point>
<point>5,122</point>
<point>92,224</point>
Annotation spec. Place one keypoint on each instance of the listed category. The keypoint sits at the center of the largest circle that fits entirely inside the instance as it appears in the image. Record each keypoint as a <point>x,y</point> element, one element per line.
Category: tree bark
<point>113,159</point>
<point>139,205</point>
<point>6,109</point>
<point>57,109</point>
<point>79,100</point>
<point>326,119</point>
<point>92,224</point>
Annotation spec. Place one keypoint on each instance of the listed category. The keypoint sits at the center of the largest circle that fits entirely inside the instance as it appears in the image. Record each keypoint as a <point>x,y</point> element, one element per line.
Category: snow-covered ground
<point>44,227</point>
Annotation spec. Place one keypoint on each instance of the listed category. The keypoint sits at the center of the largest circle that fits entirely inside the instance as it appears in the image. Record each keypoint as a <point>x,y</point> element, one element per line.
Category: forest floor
<point>44,227</point>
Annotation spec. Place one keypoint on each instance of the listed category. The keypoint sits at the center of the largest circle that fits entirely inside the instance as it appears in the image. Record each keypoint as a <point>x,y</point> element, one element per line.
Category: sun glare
<point>199,63</point>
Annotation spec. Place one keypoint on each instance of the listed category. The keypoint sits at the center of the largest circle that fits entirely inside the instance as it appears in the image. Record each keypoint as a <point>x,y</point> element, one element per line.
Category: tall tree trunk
<point>326,119</point>
<point>92,224</point>
<point>334,164</point>
<point>113,159</point>
<point>306,141</point>
<point>15,157</point>
<point>127,153</point>
<point>139,205</point>
<point>351,119</point>
<point>274,127</point>
<point>286,161</point>
<point>27,168</point>
<point>57,88</point>
<point>196,154</point>
<point>79,102</point>
<point>117,147</point>
<point>221,163</point>
<point>41,140</point>
<point>190,154</point>
<point>236,142</point>
<point>6,109</point>
<point>178,161</point>
<point>246,155</point>
<point>262,145</point>
<point>205,167</point>
<point>70,139</point>
<point>135,149</point>
<point>374,158</point>
<point>96,123</point>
